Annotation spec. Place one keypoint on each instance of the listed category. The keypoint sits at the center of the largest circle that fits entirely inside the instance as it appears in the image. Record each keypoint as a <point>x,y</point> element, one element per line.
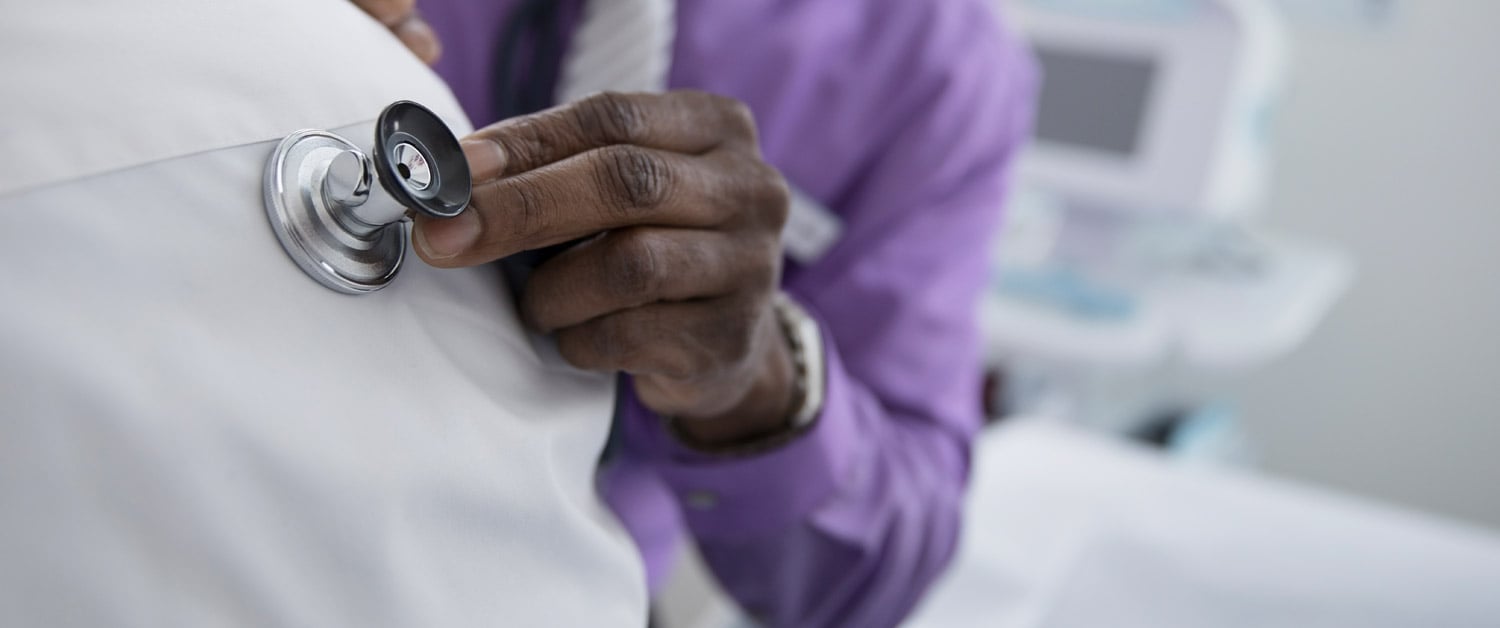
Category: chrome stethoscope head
<point>336,224</point>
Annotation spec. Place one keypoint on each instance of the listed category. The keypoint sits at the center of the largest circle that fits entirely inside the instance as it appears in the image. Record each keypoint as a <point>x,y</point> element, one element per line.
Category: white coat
<point>195,433</point>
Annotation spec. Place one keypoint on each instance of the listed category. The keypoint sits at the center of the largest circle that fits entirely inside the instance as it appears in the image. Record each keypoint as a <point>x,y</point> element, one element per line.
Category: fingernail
<point>421,39</point>
<point>440,239</point>
<point>486,160</point>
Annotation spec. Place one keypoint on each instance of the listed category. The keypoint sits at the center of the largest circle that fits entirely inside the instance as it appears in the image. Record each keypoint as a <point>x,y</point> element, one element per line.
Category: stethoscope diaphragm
<point>341,228</point>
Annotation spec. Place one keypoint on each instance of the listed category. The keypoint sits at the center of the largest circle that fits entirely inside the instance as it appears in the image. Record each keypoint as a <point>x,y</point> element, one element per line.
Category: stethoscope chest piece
<point>342,215</point>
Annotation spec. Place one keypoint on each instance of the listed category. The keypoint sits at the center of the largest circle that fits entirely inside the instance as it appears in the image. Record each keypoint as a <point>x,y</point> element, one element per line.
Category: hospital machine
<point>1130,279</point>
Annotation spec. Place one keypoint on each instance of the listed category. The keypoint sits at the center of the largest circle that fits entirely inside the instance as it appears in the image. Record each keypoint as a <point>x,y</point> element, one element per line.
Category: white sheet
<point>1066,530</point>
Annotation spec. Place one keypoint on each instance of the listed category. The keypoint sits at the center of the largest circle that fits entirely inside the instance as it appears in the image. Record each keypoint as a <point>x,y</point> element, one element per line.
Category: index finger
<point>388,12</point>
<point>557,203</point>
<point>688,122</point>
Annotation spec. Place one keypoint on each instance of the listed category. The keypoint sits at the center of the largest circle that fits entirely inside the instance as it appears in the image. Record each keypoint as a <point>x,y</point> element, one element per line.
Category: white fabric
<point>811,229</point>
<point>195,433</point>
<point>619,45</point>
<point>1065,530</point>
<point>95,86</point>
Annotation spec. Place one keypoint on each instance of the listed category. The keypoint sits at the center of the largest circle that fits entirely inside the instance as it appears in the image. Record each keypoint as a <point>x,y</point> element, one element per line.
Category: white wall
<point>1389,143</point>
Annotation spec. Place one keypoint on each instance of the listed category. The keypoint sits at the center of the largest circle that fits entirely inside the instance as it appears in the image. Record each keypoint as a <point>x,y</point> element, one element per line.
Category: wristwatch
<point>806,342</point>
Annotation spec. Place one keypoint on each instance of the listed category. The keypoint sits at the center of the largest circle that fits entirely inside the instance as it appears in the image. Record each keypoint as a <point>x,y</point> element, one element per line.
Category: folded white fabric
<point>1067,530</point>
<point>192,431</point>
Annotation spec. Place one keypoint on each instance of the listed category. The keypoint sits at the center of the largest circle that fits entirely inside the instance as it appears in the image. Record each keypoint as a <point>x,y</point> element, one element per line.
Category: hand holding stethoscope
<point>681,253</point>
<point>680,260</point>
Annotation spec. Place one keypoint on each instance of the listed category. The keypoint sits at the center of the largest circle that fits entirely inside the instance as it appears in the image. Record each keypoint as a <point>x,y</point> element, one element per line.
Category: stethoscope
<point>350,235</point>
<point>341,227</point>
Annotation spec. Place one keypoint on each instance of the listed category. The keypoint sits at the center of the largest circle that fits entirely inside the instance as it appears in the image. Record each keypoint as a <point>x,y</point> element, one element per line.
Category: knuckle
<point>605,339</point>
<point>737,337</point>
<point>724,339</point>
<point>614,339</point>
<point>540,303</point>
<point>736,118</point>
<point>611,117</point>
<point>740,117</point>
<point>524,141</point>
<point>638,178</point>
<point>682,367</point>
<point>577,345</point>
<point>631,267</point>
<point>761,192</point>
<point>763,270</point>
<point>775,196</point>
<point>601,344</point>
<point>685,362</point>
<point>525,200</point>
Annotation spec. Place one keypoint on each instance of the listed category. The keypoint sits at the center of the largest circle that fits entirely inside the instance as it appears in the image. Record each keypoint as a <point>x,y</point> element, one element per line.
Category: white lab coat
<point>195,433</point>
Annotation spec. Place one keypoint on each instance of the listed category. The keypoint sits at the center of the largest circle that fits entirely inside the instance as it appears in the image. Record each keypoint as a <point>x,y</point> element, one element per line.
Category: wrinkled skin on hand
<point>679,219</point>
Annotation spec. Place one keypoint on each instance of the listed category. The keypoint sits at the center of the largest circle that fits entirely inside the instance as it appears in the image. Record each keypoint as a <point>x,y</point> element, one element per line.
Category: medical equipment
<point>1345,14</point>
<point>342,230</point>
<point>1129,278</point>
<point>1063,529</point>
<point>1152,107</point>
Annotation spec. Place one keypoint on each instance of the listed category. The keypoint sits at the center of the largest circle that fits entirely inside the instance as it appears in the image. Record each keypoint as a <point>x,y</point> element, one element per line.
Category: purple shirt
<point>902,117</point>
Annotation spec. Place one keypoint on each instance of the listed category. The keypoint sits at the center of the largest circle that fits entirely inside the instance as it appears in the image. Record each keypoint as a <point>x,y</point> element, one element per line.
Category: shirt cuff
<point>728,497</point>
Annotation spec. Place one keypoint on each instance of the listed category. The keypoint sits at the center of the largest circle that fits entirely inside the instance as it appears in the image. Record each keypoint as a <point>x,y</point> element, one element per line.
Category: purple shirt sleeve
<point>902,117</point>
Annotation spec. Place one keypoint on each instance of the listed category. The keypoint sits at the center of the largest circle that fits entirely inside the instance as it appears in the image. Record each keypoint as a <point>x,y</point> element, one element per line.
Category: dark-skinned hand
<point>401,17</point>
<point>679,220</point>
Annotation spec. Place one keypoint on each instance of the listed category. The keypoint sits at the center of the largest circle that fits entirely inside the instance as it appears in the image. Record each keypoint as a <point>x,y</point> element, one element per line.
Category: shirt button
<point>701,500</point>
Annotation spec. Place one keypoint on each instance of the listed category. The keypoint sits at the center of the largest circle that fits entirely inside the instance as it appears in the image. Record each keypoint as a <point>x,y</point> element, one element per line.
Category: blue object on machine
<point>1212,434</point>
<point>1069,291</point>
<point>1124,9</point>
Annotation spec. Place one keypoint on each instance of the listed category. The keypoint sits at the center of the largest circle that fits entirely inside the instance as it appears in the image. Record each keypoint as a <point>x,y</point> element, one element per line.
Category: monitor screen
<point>1093,101</point>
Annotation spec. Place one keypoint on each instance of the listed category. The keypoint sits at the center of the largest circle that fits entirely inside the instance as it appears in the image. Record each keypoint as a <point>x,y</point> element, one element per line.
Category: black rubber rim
<point>406,119</point>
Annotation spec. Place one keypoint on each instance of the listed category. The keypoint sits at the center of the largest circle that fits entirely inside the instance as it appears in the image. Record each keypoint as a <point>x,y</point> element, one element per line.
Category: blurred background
<point>1388,142</point>
<point>1259,237</point>
<point>1280,255</point>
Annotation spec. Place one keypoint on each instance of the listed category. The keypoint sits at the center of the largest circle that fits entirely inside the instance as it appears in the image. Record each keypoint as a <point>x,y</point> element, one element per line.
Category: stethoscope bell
<point>336,224</point>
